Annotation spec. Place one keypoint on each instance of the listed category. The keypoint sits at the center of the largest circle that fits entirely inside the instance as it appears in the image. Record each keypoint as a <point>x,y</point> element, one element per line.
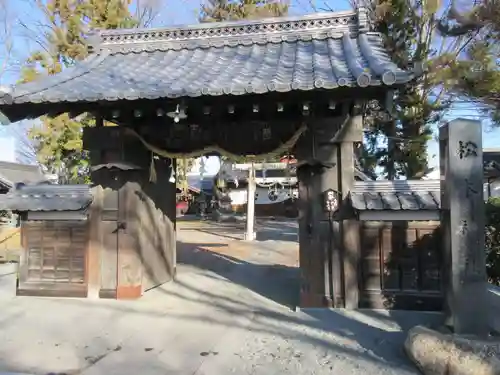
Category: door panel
<point>53,261</point>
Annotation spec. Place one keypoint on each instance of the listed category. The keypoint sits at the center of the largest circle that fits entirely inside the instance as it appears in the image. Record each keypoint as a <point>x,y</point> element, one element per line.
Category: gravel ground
<point>228,312</point>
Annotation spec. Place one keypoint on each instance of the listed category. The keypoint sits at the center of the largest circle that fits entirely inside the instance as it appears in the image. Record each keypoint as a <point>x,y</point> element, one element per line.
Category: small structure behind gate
<point>400,252</point>
<point>72,233</point>
<point>54,238</point>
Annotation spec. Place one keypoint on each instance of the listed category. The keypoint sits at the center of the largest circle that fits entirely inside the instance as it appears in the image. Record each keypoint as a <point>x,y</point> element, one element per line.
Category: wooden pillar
<point>95,241</point>
<point>463,222</point>
<point>331,230</point>
<point>250,227</point>
<point>326,156</point>
<point>94,247</point>
<point>350,230</point>
<point>351,138</point>
<point>146,221</point>
<point>311,237</point>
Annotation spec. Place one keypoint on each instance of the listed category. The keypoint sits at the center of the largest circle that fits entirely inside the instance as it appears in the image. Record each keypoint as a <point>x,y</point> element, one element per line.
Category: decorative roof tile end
<point>94,42</point>
<point>363,19</point>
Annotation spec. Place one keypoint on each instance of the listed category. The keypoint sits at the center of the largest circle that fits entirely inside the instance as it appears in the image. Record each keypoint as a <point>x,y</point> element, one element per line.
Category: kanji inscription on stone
<point>464,227</point>
<point>466,149</point>
<point>469,188</point>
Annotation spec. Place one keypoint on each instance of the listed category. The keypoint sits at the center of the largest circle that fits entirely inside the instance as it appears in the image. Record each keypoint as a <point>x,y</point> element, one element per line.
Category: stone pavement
<point>228,312</point>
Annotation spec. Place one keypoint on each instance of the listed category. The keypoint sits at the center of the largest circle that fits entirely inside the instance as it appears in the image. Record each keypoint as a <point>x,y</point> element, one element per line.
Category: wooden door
<point>400,266</point>
<point>110,234</point>
<point>120,265</point>
<point>53,258</point>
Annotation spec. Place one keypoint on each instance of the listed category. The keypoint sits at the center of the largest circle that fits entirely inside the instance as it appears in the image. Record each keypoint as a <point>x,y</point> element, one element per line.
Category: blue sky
<point>178,12</point>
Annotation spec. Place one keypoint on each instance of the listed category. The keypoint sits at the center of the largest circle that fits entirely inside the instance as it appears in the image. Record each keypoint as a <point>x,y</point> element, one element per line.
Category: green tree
<point>67,26</point>
<point>492,240</point>
<point>475,75</point>
<point>6,43</point>
<point>232,10</point>
<point>409,31</point>
<point>183,167</point>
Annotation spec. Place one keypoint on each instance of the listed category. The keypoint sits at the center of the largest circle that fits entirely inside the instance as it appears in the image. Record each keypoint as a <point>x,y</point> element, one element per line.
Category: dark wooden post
<point>463,221</point>
<point>326,159</point>
<point>146,222</point>
<point>316,173</point>
<point>329,229</point>
<point>350,226</point>
<point>94,246</point>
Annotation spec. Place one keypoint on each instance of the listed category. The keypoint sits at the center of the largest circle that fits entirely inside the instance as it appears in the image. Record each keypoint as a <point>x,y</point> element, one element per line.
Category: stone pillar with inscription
<point>463,222</point>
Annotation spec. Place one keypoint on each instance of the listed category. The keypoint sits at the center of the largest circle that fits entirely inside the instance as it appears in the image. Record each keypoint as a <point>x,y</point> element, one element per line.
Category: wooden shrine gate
<point>188,91</point>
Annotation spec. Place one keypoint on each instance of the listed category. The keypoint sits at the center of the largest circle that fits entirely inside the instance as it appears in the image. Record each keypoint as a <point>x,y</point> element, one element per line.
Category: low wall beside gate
<point>401,265</point>
<point>494,307</point>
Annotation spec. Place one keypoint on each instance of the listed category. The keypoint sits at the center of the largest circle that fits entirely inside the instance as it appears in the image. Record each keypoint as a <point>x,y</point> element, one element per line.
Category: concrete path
<point>229,312</point>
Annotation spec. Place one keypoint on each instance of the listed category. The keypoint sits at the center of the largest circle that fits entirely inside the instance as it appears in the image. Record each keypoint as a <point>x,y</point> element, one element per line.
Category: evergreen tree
<point>475,74</point>
<point>58,141</point>
<point>408,28</point>
<point>232,10</point>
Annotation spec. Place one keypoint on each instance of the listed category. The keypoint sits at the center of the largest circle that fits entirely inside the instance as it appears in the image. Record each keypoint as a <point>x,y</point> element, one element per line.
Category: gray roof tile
<point>373,201</point>
<point>428,200</point>
<point>318,51</point>
<point>47,198</point>
<point>13,173</point>
<point>391,201</point>
<point>396,195</point>
<point>358,201</point>
<point>491,162</point>
<point>408,201</point>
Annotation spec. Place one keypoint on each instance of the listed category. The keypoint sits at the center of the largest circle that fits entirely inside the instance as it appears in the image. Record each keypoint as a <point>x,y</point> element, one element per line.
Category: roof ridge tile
<point>317,25</point>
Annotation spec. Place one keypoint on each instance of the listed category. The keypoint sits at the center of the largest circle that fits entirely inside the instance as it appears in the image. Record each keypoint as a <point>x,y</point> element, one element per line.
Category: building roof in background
<point>47,197</point>
<point>14,173</point>
<point>491,165</point>
<point>317,51</point>
<point>197,184</point>
<point>396,195</point>
<point>491,162</point>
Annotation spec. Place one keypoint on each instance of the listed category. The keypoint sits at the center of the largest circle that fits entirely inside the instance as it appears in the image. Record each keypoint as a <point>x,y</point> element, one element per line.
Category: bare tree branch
<point>147,11</point>
<point>6,42</point>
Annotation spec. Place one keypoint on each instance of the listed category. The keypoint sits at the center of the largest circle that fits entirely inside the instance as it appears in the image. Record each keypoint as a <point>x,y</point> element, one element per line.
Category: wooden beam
<point>94,246</point>
<point>350,229</point>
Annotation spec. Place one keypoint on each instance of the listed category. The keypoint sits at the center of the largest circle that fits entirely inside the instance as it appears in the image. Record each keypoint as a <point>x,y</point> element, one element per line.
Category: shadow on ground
<point>380,334</point>
<point>275,282</point>
<point>266,229</point>
<point>365,336</point>
<point>228,289</point>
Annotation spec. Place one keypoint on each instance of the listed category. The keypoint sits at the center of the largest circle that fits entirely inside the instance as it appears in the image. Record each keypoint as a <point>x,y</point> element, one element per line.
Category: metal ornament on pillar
<point>172,172</point>
<point>331,200</point>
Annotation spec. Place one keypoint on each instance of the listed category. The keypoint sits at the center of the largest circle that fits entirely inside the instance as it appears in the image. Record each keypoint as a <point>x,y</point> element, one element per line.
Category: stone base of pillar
<point>308,300</point>
<point>250,236</point>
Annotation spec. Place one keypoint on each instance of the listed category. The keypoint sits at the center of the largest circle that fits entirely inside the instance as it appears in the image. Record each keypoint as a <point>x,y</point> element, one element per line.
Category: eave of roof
<point>319,51</point>
<point>411,195</point>
<point>47,198</point>
<point>13,173</point>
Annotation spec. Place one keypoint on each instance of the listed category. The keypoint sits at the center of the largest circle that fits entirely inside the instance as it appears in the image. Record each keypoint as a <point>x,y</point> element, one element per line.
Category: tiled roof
<point>396,195</point>
<point>323,51</point>
<point>47,198</point>
<point>491,163</point>
<point>197,184</point>
<point>13,173</point>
